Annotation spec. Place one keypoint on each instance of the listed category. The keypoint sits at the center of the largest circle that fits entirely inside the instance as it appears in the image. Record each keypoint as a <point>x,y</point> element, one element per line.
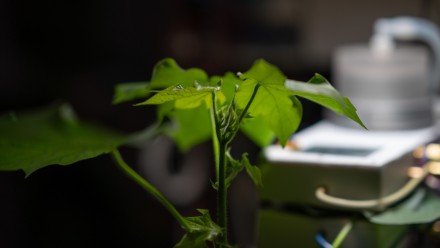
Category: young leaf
<point>185,97</point>
<point>50,136</point>
<point>229,86</point>
<point>130,91</point>
<point>272,102</point>
<point>201,230</point>
<point>167,73</point>
<point>228,122</point>
<point>236,166</point>
<point>233,168</point>
<point>192,240</point>
<point>190,116</point>
<point>319,90</point>
<point>265,73</point>
<point>253,171</point>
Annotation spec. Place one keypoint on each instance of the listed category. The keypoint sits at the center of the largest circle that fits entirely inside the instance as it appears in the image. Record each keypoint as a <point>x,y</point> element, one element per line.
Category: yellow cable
<point>378,204</point>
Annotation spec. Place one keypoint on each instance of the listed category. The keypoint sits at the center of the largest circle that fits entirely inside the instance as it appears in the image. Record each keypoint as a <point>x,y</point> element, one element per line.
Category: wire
<point>342,234</point>
<point>319,237</point>
<point>380,203</point>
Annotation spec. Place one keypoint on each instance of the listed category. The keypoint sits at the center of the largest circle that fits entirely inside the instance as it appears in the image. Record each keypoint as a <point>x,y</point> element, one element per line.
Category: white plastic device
<point>328,144</point>
<point>339,167</point>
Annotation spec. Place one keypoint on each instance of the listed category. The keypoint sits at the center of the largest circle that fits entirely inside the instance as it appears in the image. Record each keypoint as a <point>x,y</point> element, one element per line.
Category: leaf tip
<point>139,104</point>
<point>28,172</point>
<point>67,113</point>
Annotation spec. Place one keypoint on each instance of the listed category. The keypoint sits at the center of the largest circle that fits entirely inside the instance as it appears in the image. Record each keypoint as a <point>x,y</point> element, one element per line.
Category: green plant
<point>260,102</point>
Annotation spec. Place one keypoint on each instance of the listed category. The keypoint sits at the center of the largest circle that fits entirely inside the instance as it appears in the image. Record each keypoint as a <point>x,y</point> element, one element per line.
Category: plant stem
<point>215,134</point>
<point>149,188</point>
<point>222,204</point>
<point>219,148</point>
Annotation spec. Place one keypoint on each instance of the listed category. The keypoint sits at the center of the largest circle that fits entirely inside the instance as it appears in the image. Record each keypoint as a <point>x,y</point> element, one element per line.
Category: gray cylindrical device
<point>393,87</point>
<point>390,90</point>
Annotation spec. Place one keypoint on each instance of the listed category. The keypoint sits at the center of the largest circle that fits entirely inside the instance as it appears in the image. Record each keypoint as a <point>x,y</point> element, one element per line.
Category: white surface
<point>388,145</point>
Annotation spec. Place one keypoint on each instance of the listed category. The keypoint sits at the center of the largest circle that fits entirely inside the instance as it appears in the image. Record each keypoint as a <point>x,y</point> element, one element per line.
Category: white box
<point>350,163</point>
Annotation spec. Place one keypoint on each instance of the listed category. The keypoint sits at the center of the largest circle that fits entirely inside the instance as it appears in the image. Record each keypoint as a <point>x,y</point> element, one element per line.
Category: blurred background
<point>79,50</point>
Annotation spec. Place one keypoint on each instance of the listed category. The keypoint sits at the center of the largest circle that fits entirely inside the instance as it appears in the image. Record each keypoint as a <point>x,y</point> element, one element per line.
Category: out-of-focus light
<point>433,151</point>
<point>418,152</point>
<point>436,226</point>
<point>432,182</point>
<point>292,145</point>
<point>434,168</point>
<point>415,172</point>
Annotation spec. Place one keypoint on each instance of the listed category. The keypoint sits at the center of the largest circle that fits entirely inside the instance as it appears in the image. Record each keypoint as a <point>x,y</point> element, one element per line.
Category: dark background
<point>78,50</point>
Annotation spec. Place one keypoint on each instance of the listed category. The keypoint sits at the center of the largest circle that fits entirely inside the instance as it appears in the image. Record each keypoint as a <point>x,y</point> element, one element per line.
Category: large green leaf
<point>319,90</point>
<point>189,127</point>
<point>422,207</point>
<point>272,102</point>
<point>257,131</point>
<point>33,140</point>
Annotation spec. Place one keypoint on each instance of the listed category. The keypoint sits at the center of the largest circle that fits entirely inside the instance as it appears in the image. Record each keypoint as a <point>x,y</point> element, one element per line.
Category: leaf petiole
<point>149,188</point>
<point>254,93</point>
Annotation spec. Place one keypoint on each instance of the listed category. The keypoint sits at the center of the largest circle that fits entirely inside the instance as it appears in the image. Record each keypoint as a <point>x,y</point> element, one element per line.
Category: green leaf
<point>228,122</point>
<point>167,73</point>
<point>229,86</point>
<point>201,230</point>
<point>185,97</point>
<point>253,171</point>
<point>421,207</point>
<point>272,102</point>
<point>265,73</point>
<point>50,136</point>
<point>319,90</point>
<point>164,109</point>
<point>190,116</point>
<point>257,130</point>
<point>192,240</point>
<point>235,166</point>
<point>130,91</point>
<point>189,127</point>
